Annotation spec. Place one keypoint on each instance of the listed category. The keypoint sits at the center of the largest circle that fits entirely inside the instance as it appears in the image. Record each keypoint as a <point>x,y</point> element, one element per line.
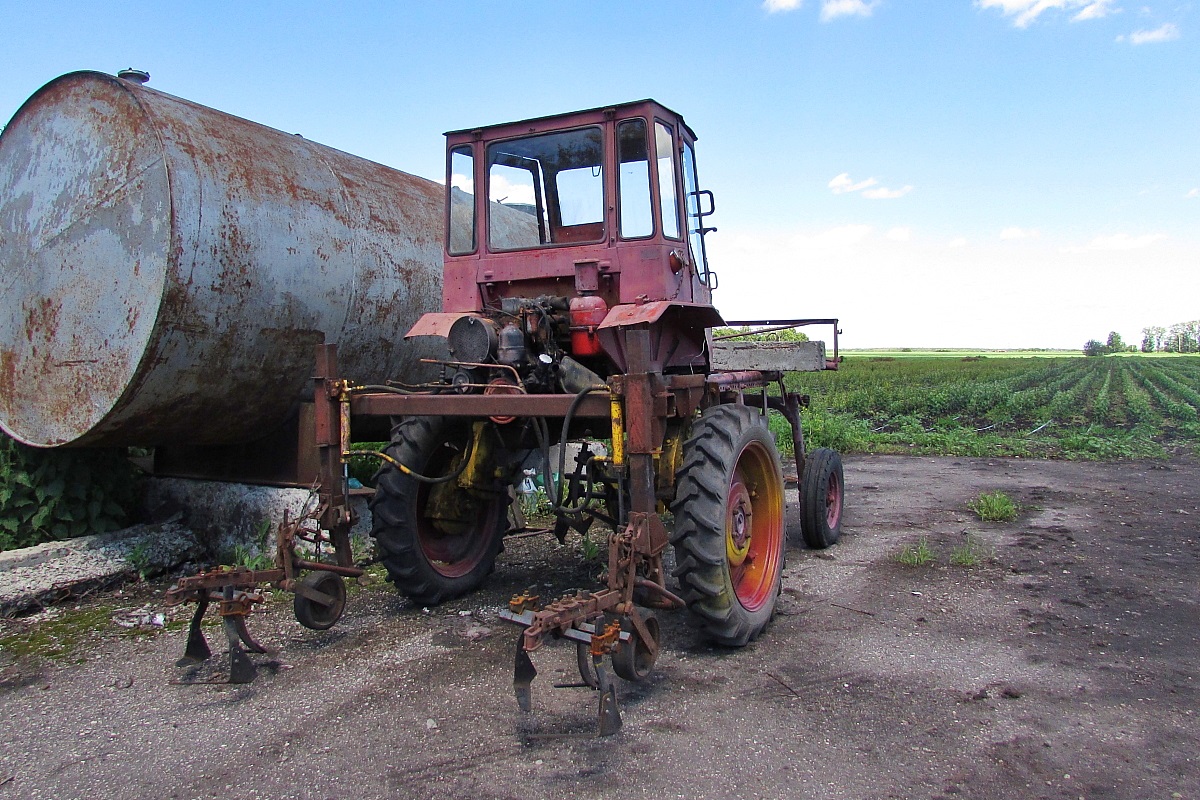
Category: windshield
<point>546,190</point>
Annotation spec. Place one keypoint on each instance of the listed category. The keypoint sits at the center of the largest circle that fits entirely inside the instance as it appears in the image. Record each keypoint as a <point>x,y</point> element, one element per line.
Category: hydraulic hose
<point>562,452</point>
<point>466,458</point>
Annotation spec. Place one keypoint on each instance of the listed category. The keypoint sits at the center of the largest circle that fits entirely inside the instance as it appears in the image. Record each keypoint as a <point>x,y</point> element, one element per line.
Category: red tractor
<point>577,307</point>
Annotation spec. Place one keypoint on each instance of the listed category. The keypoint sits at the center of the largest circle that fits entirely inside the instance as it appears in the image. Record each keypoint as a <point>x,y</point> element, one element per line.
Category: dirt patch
<point>1064,665</point>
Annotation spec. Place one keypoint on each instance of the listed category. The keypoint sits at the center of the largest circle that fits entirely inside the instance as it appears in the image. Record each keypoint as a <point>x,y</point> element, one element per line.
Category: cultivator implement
<point>320,595</point>
<point>607,623</point>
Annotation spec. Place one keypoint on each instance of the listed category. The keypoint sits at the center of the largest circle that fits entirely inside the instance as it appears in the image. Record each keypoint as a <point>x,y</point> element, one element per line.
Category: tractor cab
<point>568,227</point>
<point>603,201</point>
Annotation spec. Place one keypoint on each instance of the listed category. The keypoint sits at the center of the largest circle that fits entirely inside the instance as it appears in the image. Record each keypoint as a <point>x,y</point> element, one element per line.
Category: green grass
<point>971,553</point>
<point>918,555</point>
<point>920,352</point>
<point>988,405</point>
<point>994,507</point>
<point>59,638</point>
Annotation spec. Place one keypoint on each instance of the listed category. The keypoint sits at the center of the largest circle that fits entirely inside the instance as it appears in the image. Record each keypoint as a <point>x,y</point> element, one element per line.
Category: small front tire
<point>821,496</point>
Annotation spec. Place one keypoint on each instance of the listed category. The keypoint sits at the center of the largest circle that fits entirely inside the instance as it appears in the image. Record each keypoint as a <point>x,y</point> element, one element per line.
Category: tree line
<point>1182,337</point>
<point>1114,344</point>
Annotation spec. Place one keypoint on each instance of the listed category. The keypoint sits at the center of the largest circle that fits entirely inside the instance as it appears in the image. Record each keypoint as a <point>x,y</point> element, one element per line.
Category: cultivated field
<point>1094,408</point>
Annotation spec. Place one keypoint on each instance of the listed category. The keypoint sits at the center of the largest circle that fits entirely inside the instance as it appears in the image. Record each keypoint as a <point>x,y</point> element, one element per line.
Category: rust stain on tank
<point>42,319</point>
<point>8,373</point>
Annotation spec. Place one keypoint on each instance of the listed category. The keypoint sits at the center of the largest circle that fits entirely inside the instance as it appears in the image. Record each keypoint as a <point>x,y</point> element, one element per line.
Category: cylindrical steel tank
<point>165,268</point>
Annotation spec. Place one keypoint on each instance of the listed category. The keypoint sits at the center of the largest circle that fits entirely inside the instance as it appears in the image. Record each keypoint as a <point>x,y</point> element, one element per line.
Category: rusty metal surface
<point>769,356</point>
<point>594,406</point>
<point>165,268</point>
<point>703,316</point>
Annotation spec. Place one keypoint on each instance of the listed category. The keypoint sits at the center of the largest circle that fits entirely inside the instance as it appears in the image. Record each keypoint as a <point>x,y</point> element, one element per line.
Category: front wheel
<point>439,540</point>
<point>821,495</point>
<point>729,523</point>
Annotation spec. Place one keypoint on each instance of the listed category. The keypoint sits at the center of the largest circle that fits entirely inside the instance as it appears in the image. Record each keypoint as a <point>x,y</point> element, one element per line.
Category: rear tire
<point>729,523</point>
<point>821,495</point>
<point>431,559</point>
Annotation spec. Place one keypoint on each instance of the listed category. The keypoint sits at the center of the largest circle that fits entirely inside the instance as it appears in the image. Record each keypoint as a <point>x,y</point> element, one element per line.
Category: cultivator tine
<point>239,626</point>
<point>197,649</point>
<point>610,714</point>
<point>241,668</point>
<point>233,618</point>
<point>523,675</point>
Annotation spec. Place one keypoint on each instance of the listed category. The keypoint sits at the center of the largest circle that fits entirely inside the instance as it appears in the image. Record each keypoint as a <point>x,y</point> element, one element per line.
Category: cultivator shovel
<point>604,624</point>
<point>235,592</point>
<point>592,645</point>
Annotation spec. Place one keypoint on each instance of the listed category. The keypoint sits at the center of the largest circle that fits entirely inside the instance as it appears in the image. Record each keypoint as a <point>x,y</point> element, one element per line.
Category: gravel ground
<point>1062,666</point>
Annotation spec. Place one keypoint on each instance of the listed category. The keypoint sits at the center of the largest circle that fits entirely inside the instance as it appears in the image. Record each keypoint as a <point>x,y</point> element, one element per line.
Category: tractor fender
<point>438,323</point>
<point>699,315</point>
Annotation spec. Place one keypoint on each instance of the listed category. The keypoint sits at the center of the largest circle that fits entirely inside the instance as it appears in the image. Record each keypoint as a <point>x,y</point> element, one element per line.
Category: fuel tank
<point>166,269</point>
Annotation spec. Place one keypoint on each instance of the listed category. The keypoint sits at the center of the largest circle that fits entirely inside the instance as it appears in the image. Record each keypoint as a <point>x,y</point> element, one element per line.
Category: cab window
<point>636,219</point>
<point>694,220</point>
<point>546,189</point>
<point>462,201</point>
<point>665,152</point>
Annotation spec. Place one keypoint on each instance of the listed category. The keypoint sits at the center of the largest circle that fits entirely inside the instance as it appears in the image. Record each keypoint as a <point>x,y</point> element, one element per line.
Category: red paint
<point>587,312</point>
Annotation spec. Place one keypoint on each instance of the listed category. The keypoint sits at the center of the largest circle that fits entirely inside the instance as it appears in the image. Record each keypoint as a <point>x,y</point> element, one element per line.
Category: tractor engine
<point>531,344</point>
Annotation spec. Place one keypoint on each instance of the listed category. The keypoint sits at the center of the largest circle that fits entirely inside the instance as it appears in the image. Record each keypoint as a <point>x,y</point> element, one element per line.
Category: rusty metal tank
<point>165,268</point>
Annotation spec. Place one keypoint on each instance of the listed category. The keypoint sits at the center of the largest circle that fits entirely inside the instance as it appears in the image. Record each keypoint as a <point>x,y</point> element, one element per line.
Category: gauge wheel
<point>632,659</point>
<point>316,615</point>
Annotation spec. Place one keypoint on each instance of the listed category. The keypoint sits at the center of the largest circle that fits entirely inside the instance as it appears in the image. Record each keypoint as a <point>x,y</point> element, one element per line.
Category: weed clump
<point>994,507</point>
<point>918,555</point>
<point>971,553</point>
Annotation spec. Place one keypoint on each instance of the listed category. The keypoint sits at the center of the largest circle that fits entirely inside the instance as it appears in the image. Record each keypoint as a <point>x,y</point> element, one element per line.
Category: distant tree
<point>1183,337</point>
<point>1152,338</point>
<point>1114,343</point>
<point>1094,347</point>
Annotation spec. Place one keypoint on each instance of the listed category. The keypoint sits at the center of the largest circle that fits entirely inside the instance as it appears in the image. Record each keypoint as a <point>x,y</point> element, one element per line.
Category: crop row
<point>1097,407</point>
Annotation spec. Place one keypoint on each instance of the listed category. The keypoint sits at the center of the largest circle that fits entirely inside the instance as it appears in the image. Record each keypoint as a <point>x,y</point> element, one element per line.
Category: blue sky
<point>997,173</point>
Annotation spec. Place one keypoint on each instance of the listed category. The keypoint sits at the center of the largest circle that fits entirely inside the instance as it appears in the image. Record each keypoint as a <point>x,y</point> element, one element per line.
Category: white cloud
<point>842,184</point>
<point>505,191</point>
<point>1096,10</point>
<point>1071,299</point>
<point>774,6</point>
<point>957,242</point>
<point>900,233</point>
<point>841,237</point>
<point>884,193</point>
<point>1117,243</point>
<point>1166,32</point>
<point>1025,12</point>
<point>832,9</point>
<point>1194,193</point>
<point>1014,234</point>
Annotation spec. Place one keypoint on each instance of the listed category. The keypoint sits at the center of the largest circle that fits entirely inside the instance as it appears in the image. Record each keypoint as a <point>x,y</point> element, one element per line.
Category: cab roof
<point>534,123</point>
